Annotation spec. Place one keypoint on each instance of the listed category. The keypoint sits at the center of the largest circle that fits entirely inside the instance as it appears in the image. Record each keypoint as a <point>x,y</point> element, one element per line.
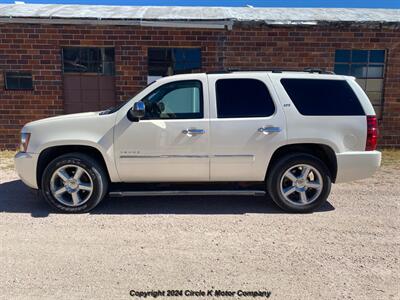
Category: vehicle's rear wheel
<point>299,183</point>
<point>74,183</point>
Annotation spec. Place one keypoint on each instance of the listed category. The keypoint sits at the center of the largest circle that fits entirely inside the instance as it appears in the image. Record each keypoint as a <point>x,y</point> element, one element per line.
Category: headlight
<point>25,137</point>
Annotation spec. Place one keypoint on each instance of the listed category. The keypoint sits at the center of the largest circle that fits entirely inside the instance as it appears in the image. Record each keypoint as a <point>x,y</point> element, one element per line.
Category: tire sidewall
<point>282,166</point>
<point>98,186</point>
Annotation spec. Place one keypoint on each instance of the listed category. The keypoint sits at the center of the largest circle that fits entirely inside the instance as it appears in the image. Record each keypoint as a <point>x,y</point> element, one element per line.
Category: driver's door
<point>171,142</point>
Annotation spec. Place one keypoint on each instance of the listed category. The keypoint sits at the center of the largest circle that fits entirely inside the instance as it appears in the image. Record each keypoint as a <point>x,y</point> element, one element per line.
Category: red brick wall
<point>37,48</point>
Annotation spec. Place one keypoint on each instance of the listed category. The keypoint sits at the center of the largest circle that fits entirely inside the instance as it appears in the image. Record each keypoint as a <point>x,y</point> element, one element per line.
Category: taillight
<point>372,133</point>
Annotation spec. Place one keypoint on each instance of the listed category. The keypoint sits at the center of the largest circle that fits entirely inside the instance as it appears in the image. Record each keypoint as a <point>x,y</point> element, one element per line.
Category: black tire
<point>276,173</point>
<point>99,181</point>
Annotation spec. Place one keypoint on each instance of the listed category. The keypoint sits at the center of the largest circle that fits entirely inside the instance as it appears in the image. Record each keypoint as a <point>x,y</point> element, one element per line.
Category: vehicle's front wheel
<point>74,183</point>
<point>299,183</point>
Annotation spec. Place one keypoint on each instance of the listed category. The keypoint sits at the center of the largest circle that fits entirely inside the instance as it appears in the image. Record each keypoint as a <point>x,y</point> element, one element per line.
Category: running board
<point>188,193</point>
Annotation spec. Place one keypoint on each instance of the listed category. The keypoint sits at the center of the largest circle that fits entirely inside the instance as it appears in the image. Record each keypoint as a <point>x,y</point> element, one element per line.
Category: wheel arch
<point>50,153</point>
<point>324,152</point>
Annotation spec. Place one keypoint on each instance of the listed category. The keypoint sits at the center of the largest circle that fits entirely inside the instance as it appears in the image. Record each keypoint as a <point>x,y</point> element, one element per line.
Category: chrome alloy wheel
<point>71,185</point>
<point>301,184</point>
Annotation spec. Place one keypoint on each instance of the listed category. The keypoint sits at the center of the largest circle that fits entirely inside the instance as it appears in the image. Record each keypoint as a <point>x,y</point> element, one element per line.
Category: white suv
<point>288,134</point>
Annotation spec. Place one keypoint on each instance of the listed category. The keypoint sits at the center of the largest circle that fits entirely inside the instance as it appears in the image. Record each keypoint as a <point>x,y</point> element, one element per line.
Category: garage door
<point>89,82</point>
<point>88,92</point>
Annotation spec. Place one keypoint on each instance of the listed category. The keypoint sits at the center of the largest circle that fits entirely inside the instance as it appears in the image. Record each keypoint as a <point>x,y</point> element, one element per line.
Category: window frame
<point>103,60</point>
<point>369,64</point>
<point>244,117</point>
<point>173,61</point>
<point>201,99</point>
<point>18,75</point>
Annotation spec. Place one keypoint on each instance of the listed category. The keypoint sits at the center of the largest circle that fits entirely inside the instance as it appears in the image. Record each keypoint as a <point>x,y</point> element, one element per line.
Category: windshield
<point>117,107</point>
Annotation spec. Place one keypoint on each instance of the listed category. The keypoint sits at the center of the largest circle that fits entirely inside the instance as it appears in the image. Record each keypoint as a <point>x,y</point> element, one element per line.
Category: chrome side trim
<point>232,155</point>
<point>138,156</point>
<point>184,156</point>
<point>164,156</point>
<point>188,193</point>
<point>187,156</point>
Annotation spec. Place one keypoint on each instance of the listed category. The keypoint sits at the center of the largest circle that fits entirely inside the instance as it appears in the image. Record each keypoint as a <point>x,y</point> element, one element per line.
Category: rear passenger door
<point>247,124</point>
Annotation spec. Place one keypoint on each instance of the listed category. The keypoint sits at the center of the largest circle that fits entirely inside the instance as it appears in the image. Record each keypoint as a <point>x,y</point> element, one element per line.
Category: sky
<point>255,3</point>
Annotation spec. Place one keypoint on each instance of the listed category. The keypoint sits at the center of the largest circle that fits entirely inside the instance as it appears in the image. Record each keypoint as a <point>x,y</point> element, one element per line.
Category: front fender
<point>87,129</point>
<point>107,153</point>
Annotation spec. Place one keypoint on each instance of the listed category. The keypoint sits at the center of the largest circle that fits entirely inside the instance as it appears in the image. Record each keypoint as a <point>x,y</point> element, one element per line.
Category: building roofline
<point>191,17</point>
<point>121,22</point>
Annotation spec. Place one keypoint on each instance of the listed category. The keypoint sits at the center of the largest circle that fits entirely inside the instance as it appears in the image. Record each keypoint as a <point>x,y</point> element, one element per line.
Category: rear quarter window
<point>321,97</point>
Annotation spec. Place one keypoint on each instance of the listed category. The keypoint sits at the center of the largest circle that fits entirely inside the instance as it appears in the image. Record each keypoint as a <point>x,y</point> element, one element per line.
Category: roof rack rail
<point>318,70</point>
<point>274,70</point>
<point>218,72</point>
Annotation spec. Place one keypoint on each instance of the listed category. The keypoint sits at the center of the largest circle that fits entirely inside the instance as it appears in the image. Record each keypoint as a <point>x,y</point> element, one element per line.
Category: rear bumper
<point>25,164</point>
<point>357,165</point>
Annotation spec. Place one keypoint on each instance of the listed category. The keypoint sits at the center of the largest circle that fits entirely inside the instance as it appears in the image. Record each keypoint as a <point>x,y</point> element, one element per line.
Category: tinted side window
<point>243,98</point>
<point>319,97</point>
<point>175,100</point>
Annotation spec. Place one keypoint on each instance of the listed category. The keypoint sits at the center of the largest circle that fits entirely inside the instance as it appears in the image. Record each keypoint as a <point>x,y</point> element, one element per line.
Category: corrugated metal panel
<point>238,14</point>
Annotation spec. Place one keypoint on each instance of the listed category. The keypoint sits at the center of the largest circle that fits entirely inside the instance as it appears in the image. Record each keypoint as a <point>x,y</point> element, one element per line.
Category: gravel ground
<point>349,249</point>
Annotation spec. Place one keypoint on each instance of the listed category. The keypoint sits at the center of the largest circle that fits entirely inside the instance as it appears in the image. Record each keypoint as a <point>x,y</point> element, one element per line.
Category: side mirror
<point>137,111</point>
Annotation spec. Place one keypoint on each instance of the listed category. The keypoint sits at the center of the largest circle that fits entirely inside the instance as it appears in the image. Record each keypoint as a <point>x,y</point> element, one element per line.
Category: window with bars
<point>18,81</point>
<point>88,60</point>
<point>368,66</point>
<point>169,61</point>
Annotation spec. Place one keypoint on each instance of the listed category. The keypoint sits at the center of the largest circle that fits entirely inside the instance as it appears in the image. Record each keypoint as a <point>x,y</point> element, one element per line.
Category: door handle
<point>269,129</point>
<point>193,131</point>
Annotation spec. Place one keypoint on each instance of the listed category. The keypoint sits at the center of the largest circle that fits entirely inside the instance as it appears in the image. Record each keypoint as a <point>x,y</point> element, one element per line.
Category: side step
<point>188,193</point>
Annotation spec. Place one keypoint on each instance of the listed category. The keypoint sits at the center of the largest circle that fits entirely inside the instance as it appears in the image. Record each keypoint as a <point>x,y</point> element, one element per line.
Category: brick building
<point>57,59</point>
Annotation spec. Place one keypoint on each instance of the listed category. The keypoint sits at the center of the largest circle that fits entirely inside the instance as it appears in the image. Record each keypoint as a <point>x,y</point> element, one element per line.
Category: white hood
<point>62,118</point>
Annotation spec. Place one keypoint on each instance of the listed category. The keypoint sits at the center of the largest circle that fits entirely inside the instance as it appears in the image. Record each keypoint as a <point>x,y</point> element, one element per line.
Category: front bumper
<point>25,164</point>
<point>357,165</point>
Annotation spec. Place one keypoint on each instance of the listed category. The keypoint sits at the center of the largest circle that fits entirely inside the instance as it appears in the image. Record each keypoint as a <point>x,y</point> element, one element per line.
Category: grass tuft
<point>390,157</point>
<point>6,160</point>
